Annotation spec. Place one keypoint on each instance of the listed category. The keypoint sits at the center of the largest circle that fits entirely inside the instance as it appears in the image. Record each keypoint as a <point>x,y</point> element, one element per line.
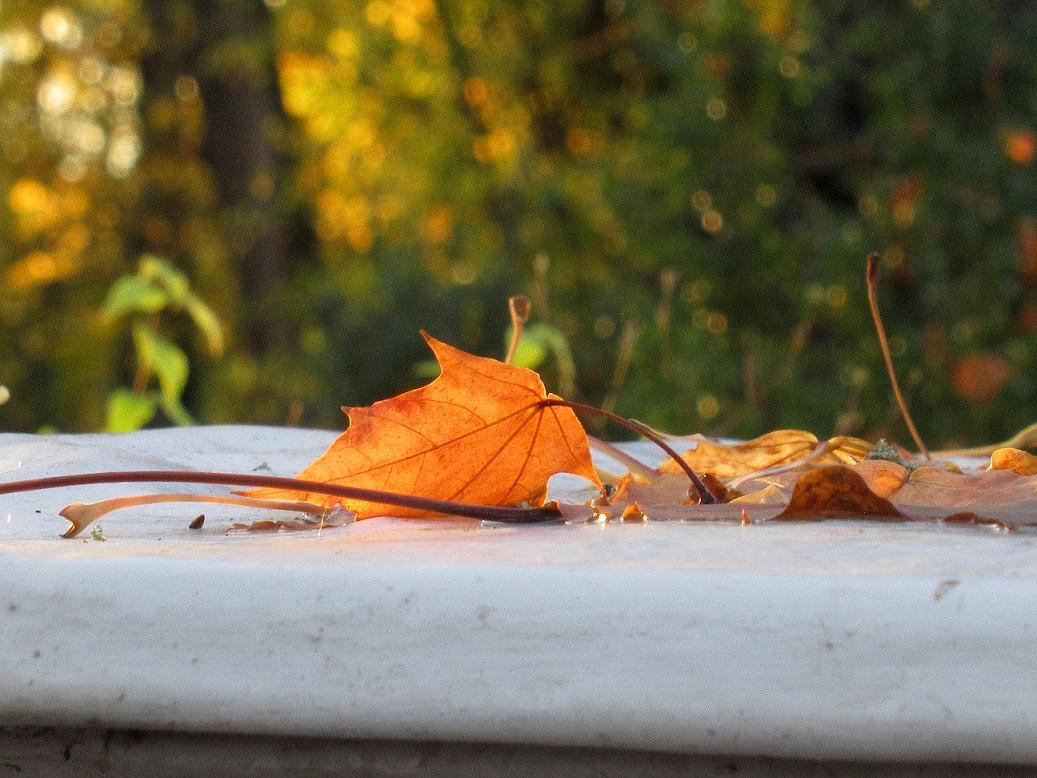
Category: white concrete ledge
<point>837,640</point>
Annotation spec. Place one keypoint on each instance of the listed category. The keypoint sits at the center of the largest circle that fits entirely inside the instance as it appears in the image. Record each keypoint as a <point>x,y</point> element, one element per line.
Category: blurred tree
<point>70,91</point>
<point>222,53</point>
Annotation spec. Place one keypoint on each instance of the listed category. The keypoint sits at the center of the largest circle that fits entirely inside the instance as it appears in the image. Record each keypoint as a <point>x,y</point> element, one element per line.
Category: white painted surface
<point>820,640</point>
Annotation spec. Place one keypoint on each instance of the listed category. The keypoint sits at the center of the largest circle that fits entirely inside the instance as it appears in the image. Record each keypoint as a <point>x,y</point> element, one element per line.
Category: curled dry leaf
<point>939,491</point>
<point>881,476</point>
<point>665,498</point>
<point>336,517</point>
<point>1019,462</point>
<point>872,489</point>
<point>836,491</point>
<point>830,491</point>
<point>781,447</point>
<point>933,492</point>
<point>479,434</point>
<point>727,461</point>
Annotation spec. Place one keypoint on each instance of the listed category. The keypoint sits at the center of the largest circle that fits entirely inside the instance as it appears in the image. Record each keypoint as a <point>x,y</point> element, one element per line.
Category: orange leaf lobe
<point>477,434</point>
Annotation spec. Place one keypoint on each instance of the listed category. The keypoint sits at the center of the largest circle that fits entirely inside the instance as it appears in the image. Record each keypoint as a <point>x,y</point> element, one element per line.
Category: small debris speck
<point>944,587</point>
<point>97,533</point>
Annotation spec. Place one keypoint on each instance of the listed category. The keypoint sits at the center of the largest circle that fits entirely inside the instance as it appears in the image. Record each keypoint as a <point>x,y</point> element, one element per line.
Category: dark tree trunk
<point>228,47</point>
<point>243,107</point>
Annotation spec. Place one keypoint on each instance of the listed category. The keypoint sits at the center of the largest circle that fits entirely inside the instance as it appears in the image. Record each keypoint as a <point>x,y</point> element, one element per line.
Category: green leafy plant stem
<point>155,289</point>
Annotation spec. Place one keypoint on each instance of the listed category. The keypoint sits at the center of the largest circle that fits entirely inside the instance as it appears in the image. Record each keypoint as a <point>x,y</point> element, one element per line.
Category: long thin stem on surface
<point>445,507</point>
<point>706,497</point>
<point>872,278</point>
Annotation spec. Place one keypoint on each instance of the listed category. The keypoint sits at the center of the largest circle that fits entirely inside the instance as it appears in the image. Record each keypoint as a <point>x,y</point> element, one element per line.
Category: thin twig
<point>872,278</point>
<point>446,507</point>
<point>1024,438</point>
<point>624,358</point>
<point>519,307</point>
<point>706,497</point>
<point>636,466</point>
<point>663,317</point>
<point>819,451</point>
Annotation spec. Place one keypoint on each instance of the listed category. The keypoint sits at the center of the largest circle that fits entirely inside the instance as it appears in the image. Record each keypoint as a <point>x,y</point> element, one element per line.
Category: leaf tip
<point>439,348</point>
<point>78,517</point>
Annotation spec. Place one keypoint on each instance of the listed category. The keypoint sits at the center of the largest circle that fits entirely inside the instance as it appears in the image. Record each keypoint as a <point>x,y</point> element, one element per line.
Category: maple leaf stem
<point>446,507</point>
<point>706,497</point>
<point>872,277</point>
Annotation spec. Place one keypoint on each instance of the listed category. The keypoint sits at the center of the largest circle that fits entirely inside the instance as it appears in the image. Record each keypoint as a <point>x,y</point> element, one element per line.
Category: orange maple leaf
<point>479,433</point>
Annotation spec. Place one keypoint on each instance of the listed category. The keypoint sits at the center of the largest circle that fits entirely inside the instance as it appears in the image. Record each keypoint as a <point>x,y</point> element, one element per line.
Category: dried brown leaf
<point>836,491</point>
<point>1019,462</point>
<point>775,449</point>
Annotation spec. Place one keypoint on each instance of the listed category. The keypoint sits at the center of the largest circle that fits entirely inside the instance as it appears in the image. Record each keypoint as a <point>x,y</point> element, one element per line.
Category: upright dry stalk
<point>624,358</point>
<point>872,277</point>
<point>519,307</point>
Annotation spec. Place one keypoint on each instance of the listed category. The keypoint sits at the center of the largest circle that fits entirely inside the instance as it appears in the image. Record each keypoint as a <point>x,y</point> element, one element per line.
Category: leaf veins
<point>479,433</point>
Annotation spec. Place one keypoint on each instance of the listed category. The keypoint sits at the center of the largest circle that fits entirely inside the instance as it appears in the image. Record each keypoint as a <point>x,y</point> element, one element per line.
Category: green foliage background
<point>687,191</point>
